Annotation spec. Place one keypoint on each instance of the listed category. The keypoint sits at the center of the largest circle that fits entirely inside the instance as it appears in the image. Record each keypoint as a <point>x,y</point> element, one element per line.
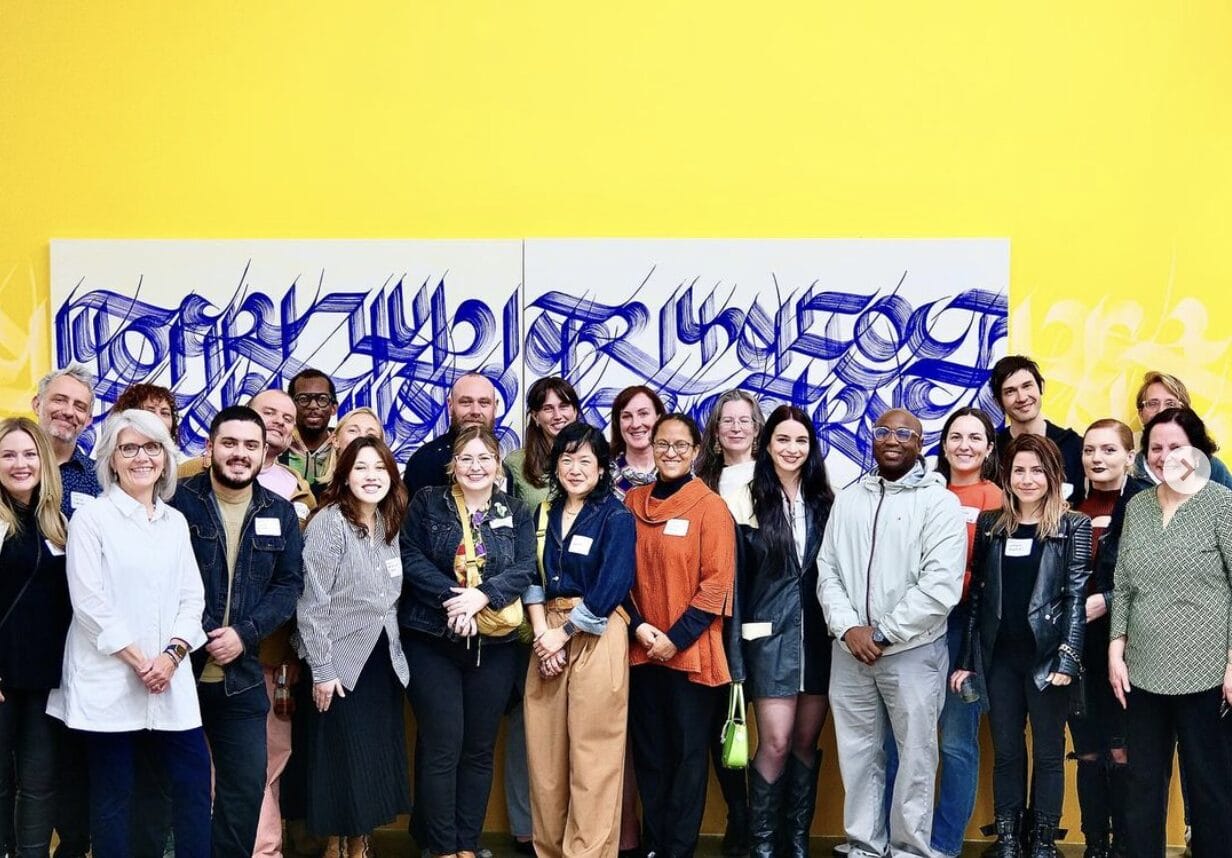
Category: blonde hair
<point>1054,506</point>
<point>47,514</point>
<point>1170,383</point>
<point>334,450</point>
<point>472,432</point>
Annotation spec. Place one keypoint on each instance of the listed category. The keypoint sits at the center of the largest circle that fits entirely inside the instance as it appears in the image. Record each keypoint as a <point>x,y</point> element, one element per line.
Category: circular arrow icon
<point>1187,470</point>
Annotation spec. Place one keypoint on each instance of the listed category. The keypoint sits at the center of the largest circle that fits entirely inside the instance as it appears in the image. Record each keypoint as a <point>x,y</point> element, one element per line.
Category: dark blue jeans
<point>235,727</point>
<point>112,766</point>
<point>28,740</point>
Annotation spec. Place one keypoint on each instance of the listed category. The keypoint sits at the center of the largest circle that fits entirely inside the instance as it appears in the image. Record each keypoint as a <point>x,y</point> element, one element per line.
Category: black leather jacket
<point>1057,611</point>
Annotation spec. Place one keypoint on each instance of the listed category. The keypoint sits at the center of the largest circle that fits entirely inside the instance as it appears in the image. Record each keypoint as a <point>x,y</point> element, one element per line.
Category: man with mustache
<point>472,399</point>
<point>247,542</point>
<point>316,402</point>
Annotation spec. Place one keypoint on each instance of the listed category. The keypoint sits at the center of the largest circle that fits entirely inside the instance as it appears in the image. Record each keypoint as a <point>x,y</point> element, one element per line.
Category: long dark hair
<point>988,470</point>
<point>392,507</point>
<point>767,491</point>
<point>571,439</point>
<point>618,405</point>
<point>538,447</point>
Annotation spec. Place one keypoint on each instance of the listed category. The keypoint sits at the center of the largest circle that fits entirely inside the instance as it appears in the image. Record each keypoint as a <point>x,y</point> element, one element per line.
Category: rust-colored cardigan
<point>674,572</point>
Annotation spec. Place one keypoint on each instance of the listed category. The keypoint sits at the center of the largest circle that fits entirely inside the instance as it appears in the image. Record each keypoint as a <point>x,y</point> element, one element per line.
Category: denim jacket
<point>431,534</point>
<point>269,572</point>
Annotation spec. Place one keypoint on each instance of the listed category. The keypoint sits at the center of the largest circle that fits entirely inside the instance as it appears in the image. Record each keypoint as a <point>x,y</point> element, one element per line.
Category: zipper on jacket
<point>872,551</point>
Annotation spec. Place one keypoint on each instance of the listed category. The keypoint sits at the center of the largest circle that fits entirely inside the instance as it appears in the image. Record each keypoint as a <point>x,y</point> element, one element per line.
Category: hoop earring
<point>753,449</point>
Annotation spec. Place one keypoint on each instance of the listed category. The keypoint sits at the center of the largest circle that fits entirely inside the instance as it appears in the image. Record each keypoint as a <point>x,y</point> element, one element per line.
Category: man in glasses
<point>316,402</point>
<point>890,570</point>
<point>1018,386</point>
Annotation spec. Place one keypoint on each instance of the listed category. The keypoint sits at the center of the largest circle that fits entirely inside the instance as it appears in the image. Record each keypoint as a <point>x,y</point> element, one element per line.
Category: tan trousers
<point>575,742</point>
<point>278,751</point>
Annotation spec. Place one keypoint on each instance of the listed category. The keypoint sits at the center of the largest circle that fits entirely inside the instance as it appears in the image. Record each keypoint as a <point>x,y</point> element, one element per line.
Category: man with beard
<point>472,399</point>
<point>1017,384</point>
<point>247,542</point>
<point>63,405</point>
<point>316,402</point>
<point>890,569</point>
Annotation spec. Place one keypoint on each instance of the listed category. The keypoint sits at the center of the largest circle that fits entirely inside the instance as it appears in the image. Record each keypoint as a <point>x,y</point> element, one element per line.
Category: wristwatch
<point>880,639</point>
<point>176,650</point>
<point>569,628</point>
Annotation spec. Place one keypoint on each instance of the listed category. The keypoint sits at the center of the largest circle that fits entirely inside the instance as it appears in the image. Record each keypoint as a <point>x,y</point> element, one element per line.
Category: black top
<point>1017,583</point>
<point>1069,443</point>
<point>32,638</point>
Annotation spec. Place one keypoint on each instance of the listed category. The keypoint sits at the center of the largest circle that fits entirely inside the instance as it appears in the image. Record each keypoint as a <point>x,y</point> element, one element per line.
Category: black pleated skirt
<point>356,754</point>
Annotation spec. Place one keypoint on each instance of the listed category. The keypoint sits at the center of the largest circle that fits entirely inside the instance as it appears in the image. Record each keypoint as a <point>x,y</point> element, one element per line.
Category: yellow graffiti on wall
<point>24,335</point>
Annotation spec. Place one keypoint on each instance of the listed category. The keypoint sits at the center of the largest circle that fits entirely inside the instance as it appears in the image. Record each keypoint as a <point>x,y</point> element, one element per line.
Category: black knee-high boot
<point>765,800</point>
<point>801,802</point>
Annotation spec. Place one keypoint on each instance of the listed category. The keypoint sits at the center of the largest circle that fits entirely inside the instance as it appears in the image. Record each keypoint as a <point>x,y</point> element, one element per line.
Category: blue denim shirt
<point>269,572</point>
<point>594,561</point>
<point>431,534</point>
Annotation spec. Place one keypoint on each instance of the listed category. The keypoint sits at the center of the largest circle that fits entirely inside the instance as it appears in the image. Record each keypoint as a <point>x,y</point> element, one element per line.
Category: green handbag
<point>735,731</point>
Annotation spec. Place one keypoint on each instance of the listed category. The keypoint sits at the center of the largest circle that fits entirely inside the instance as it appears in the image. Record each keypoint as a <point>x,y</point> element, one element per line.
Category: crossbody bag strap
<point>468,540</point>
<point>541,539</point>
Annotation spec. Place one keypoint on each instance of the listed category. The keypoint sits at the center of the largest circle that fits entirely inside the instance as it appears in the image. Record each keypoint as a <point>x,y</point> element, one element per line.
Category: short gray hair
<point>76,371</point>
<point>149,425</point>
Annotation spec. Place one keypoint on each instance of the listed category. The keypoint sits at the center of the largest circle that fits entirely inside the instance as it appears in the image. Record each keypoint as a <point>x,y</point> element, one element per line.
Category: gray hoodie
<point>893,558</point>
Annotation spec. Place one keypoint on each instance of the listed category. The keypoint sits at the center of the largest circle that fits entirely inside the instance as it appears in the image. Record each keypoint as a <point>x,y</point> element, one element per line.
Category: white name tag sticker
<point>394,567</point>
<point>507,521</point>
<point>301,510</point>
<point>753,631</point>
<point>676,527</point>
<point>55,550</point>
<point>77,499</point>
<point>268,526</point>
<point>4,529</point>
<point>971,513</point>
<point>1018,547</point>
<point>580,545</point>
<point>1101,521</point>
<point>1067,489</point>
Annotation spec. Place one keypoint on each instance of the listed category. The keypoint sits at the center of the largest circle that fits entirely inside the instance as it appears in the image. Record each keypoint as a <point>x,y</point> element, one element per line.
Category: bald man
<point>890,570</point>
<point>472,399</point>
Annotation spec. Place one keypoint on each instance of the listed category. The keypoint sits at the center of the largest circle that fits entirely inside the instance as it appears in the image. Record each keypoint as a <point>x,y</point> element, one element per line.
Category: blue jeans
<point>959,749</point>
<point>235,727</point>
<point>112,766</point>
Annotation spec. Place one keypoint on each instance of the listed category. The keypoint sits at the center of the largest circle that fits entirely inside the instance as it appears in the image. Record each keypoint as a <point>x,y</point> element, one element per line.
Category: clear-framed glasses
<point>484,460</point>
<point>680,448</point>
<point>733,422</point>
<point>321,400</point>
<point>153,449</point>
<point>902,433</point>
<point>1160,404</point>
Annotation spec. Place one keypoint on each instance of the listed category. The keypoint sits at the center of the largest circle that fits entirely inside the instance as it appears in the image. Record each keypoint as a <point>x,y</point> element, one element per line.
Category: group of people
<point>602,597</point>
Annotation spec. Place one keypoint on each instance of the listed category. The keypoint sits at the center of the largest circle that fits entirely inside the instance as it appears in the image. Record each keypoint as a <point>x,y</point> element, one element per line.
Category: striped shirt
<point>351,589</point>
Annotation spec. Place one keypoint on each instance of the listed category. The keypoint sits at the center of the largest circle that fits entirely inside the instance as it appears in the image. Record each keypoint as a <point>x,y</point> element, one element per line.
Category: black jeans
<point>72,795</point>
<point>669,721</point>
<point>28,742</point>
<point>459,696</point>
<point>1012,699</point>
<point>1156,725</point>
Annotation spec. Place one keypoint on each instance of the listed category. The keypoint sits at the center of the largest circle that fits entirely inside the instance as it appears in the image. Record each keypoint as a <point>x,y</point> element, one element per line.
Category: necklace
<point>572,511</point>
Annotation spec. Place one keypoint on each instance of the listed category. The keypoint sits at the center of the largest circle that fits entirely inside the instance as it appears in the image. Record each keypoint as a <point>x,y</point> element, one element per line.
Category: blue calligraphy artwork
<point>844,355</point>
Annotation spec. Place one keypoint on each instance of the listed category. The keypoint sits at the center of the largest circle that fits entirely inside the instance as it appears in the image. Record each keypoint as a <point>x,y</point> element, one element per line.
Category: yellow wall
<point>1095,136</point>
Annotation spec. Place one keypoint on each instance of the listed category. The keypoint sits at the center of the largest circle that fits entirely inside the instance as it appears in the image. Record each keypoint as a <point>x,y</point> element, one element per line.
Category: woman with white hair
<point>137,604</point>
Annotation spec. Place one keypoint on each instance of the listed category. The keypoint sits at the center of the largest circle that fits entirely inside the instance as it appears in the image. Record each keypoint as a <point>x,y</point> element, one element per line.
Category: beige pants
<point>575,742</point>
<point>278,751</point>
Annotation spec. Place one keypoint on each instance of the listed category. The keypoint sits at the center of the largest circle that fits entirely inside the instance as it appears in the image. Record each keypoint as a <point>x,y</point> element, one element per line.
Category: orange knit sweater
<point>676,570</point>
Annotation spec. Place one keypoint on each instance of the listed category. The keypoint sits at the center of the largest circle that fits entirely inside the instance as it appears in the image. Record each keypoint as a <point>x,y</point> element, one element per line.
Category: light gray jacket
<point>893,558</point>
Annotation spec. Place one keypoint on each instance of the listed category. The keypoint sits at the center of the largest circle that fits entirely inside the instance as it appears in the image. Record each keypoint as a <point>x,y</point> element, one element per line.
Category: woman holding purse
<point>468,554</point>
<point>781,516</point>
<point>1025,634</point>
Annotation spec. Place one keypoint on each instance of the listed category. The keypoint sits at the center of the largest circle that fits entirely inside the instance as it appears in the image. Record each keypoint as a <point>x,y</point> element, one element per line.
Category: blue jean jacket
<point>269,571</point>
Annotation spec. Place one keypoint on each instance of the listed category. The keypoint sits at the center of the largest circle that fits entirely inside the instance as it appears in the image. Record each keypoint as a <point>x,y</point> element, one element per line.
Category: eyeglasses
<point>318,399</point>
<point>1159,404</point>
<point>153,449</point>
<point>485,460</point>
<point>730,422</point>
<point>902,433</point>
<point>680,448</point>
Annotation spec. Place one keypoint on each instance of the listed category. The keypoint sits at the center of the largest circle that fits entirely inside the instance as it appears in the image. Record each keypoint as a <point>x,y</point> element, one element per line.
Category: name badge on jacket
<point>676,527</point>
<point>54,549</point>
<point>267,526</point>
<point>580,545</point>
<point>76,499</point>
